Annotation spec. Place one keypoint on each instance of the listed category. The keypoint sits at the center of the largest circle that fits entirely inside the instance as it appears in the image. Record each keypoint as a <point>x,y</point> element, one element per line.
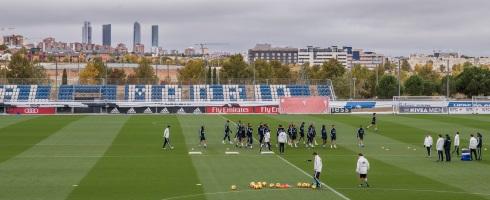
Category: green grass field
<point>120,157</point>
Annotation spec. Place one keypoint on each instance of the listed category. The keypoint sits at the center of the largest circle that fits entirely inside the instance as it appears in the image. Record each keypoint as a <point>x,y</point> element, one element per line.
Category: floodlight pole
<point>399,81</point>
<point>253,64</point>
<point>447,79</point>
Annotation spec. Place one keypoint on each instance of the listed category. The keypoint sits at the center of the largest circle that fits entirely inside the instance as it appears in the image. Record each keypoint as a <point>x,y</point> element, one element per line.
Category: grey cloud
<point>390,26</point>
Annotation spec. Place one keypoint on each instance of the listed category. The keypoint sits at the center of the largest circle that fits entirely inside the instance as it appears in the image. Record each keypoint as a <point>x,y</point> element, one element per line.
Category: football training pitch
<point>121,157</point>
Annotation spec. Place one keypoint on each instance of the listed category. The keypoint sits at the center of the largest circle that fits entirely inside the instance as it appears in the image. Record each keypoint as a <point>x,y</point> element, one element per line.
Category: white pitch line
<point>327,186</point>
<point>418,190</point>
<point>299,169</point>
<point>229,192</point>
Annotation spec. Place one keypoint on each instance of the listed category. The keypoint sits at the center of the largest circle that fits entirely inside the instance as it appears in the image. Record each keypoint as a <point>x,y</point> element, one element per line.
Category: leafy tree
<point>130,58</point>
<point>387,87</point>
<point>406,66</point>
<point>89,73</point>
<point>280,71</point>
<point>144,73</point>
<point>332,68</point>
<point>430,88</point>
<point>458,68</point>
<point>117,77</point>
<point>474,81</point>
<point>414,85</point>
<point>22,71</point>
<point>314,72</point>
<point>64,78</point>
<point>426,72</point>
<point>192,72</point>
<point>341,85</point>
<point>208,81</point>
<point>94,73</point>
<point>364,84</point>
<point>215,76</point>
<point>263,70</point>
<point>388,65</point>
<point>452,85</point>
<point>235,67</point>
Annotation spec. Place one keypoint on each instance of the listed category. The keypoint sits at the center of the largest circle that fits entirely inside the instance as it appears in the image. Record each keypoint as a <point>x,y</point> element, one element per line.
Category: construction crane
<point>204,45</point>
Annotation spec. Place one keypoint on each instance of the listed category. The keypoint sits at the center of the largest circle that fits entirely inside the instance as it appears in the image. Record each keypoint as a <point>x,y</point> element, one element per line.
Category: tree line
<point>465,80</point>
<point>381,82</point>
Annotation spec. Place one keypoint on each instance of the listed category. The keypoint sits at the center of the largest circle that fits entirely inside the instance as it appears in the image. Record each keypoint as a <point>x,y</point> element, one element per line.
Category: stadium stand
<point>87,92</point>
<point>274,92</point>
<point>25,93</point>
<point>153,93</point>
<point>217,93</point>
<point>324,90</point>
<point>159,93</point>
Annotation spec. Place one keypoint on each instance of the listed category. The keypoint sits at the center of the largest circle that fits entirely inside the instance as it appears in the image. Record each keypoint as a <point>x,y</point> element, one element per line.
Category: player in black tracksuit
<point>261,132</point>
<point>479,137</point>
<point>241,134</point>
<point>373,123</point>
<point>333,137</point>
<point>202,137</point>
<point>302,133</point>
<point>360,136</point>
<point>290,134</point>
<point>227,132</point>
<point>324,136</point>
<point>238,125</point>
<point>250,138</point>
<point>311,135</point>
<point>447,148</point>
<point>294,136</point>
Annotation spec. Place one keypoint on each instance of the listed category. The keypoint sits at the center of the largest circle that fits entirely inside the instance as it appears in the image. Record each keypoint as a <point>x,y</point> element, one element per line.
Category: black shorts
<point>373,123</point>
<point>361,137</point>
<point>317,175</point>
<point>325,138</point>
<point>293,137</point>
<point>333,137</point>
<point>203,138</point>
<point>362,175</point>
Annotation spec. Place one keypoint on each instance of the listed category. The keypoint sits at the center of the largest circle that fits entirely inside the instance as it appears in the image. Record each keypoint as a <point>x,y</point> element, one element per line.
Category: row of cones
<point>305,185</point>
<point>263,184</point>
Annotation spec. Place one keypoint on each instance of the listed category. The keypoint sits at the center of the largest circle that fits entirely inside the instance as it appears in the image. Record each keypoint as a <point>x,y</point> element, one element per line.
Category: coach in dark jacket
<point>447,148</point>
<point>480,145</point>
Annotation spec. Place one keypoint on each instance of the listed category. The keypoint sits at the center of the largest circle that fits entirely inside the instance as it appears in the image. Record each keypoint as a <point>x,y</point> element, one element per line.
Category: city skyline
<point>107,34</point>
<point>136,35</point>
<point>388,27</point>
<point>87,33</point>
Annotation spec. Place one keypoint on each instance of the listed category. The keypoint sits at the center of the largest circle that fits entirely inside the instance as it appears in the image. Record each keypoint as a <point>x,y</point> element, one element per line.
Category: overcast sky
<point>392,27</point>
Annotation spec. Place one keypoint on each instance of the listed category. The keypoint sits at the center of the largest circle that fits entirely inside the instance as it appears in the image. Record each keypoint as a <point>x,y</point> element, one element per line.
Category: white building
<point>441,59</point>
<point>367,59</point>
<point>317,55</point>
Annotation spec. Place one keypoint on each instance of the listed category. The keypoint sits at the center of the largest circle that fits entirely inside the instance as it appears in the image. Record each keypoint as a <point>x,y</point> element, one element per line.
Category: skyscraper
<point>136,35</point>
<point>106,35</point>
<point>87,33</point>
<point>154,36</point>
